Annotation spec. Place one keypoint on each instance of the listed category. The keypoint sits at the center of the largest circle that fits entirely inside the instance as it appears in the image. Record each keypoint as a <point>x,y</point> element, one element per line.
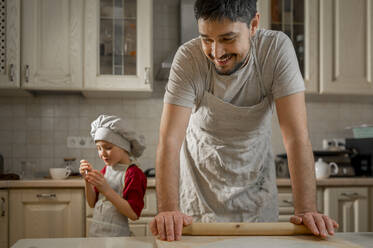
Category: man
<point>214,158</point>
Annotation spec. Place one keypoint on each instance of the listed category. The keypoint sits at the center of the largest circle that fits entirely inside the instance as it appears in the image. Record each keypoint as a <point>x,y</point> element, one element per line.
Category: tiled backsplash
<point>35,128</point>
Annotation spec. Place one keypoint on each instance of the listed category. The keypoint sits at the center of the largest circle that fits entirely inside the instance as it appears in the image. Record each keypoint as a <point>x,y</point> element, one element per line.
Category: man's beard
<point>235,68</point>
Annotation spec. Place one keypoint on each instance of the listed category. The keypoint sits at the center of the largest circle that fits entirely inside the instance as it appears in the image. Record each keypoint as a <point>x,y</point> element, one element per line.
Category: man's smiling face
<point>225,43</point>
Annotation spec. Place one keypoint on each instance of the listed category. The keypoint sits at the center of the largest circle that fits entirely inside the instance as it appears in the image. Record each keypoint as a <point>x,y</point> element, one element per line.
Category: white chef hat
<point>113,129</point>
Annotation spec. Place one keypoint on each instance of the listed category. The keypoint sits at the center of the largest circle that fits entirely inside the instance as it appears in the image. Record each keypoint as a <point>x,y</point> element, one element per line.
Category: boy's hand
<point>84,168</point>
<point>98,180</point>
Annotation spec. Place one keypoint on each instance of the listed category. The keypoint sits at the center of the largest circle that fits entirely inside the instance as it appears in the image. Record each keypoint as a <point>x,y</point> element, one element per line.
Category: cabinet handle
<point>350,195</point>
<point>27,73</point>
<point>147,75</point>
<point>2,206</point>
<point>288,202</point>
<point>11,72</point>
<point>46,196</point>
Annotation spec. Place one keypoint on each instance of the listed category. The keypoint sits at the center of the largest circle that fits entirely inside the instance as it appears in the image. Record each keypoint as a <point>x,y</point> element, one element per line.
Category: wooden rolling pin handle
<point>234,229</point>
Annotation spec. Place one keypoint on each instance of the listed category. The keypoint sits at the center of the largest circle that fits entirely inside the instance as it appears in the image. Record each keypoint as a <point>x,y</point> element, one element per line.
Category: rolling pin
<point>241,229</point>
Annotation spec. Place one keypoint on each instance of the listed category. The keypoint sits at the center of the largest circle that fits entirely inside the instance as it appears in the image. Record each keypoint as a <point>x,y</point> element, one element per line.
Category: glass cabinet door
<point>119,46</point>
<point>288,16</point>
<point>9,43</point>
<point>117,37</point>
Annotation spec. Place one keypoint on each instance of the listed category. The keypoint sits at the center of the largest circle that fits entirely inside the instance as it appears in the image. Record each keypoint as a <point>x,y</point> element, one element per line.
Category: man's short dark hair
<point>234,10</point>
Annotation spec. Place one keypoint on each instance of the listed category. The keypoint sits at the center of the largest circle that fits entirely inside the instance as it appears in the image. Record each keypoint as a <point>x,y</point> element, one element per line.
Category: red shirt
<point>134,188</point>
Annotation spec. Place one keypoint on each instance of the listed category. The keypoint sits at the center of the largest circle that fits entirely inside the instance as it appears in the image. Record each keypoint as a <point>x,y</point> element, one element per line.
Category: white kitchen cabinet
<point>4,213</point>
<point>300,22</point>
<point>286,204</point>
<point>370,206</point>
<point>140,227</point>
<point>349,207</point>
<point>52,44</point>
<point>338,43</point>
<point>118,47</point>
<point>346,47</point>
<point>9,44</point>
<point>46,213</point>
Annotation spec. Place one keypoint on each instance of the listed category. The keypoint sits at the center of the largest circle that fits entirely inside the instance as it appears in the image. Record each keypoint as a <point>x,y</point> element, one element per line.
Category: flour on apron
<point>227,171</point>
<point>107,221</point>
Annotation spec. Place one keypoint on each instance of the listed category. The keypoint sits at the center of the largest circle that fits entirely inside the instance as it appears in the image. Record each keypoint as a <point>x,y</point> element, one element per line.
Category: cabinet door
<point>9,44</point>
<point>346,47</point>
<point>286,204</point>
<point>141,227</point>
<point>299,20</point>
<point>370,206</point>
<point>349,207</point>
<point>46,213</point>
<point>150,203</point>
<point>52,44</point>
<point>118,48</point>
<point>4,218</point>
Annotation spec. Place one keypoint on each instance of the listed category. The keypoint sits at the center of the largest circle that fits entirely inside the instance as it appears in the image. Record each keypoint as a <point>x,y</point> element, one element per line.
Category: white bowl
<point>59,173</point>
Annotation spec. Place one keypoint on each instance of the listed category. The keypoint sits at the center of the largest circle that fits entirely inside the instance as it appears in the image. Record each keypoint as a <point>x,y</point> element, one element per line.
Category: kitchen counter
<point>338,240</point>
<point>77,182</point>
<point>340,181</point>
<point>71,182</point>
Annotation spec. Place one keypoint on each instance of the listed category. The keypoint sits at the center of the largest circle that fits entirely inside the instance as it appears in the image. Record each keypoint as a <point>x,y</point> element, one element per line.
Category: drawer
<point>140,227</point>
<point>150,203</point>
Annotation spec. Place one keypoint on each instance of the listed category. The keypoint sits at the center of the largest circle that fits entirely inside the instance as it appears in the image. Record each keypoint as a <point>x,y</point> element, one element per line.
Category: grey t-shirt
<point>192,73</point>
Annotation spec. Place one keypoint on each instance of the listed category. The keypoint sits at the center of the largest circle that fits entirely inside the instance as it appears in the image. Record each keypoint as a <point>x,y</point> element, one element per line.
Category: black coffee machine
<point>361,155</point>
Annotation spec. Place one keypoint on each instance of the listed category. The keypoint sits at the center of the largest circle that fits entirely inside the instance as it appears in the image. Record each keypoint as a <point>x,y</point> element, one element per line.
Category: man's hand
<point>169,225</point>
<point>319,224</point>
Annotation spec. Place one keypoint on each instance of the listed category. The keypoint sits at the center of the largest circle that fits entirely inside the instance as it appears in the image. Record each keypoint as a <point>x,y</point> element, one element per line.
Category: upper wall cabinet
<point>9,44</point>
<point>346,47</point>
<point>297,19</point>
<point>118,47</point>
<point>52,44</point>
<point>332,39</point>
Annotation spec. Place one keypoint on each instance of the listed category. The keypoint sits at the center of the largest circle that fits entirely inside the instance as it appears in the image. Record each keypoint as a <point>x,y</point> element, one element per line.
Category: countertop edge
<point>79,183</point>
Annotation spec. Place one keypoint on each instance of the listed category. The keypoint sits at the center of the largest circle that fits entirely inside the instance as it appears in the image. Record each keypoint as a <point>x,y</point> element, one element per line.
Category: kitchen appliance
<point>72,165</point>
<point>362,156</point>
<point>341,157</point>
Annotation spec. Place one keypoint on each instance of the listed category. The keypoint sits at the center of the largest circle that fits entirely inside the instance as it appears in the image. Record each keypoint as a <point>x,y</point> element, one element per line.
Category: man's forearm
<point>167,179</point>
<point>302,173</point>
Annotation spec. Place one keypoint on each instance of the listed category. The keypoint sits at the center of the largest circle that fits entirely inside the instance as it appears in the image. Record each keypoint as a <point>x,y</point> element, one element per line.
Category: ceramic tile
<point>33,123</point>
<point>47,110</point>
<point>6,110</point>
<point>19,110</point>
<point>6,137</point>
<point>60,137</point>
<point>19,137</point>
<point>47,137</point>
<point>33,151</point>
<point>61,123</point>
<point>19,124</point>
<point>33,110</point>
<point>33,137</point>
<point>47,151</point>
<point>47,123</point>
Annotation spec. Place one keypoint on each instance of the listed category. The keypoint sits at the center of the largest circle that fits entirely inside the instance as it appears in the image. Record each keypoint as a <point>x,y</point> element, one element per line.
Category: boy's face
<point>226,43</point>
<point>109,153</point>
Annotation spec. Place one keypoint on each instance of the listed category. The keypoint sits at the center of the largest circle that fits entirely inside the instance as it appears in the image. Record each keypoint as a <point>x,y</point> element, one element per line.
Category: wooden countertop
<point>338,240</point>
<point>71,182</point>
<point>341,181</point>
<point>79,183</point>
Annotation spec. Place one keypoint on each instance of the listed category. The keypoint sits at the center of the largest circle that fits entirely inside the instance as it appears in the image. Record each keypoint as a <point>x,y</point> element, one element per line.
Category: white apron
<point>227,171</point>
<point>107,221</point>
